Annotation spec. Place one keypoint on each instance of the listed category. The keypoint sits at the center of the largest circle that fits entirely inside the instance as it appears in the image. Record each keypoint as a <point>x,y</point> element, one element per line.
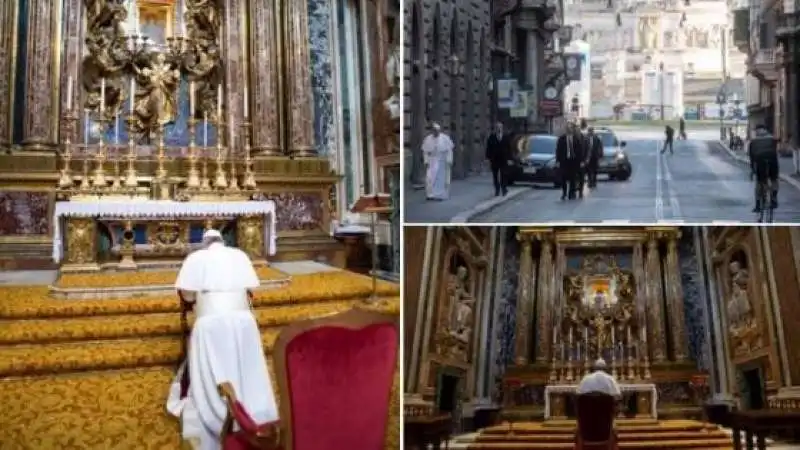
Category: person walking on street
<point>437,149</point>
<point>498,152</point>
<point>670,136</point>
<point>583,132</point>
<point>682,129</point>
<point>594,153</point>
<point>569,156</point>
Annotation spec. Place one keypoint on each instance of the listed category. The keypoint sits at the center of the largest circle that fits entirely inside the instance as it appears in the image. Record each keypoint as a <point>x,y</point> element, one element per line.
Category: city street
<point>700,182</point>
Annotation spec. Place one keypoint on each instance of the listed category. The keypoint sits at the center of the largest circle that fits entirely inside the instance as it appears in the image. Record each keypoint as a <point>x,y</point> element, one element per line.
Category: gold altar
<point>588,293</point>
<point>105,103</point>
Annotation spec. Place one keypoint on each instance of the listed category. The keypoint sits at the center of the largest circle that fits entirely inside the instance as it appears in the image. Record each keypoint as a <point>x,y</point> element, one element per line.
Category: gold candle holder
<point>161,172</point>
<point>220,181</point>
<point>116,183</point>
<point>86,185</point>
<point>131,177</point>
<point>99,177</point>
<point>193,180</point>
<point>249,177</point>
<point>65,180</point>
<point>647,374</point>
<point>553,370</point>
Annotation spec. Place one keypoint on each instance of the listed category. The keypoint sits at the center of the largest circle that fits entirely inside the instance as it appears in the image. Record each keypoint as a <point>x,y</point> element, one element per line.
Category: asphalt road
<point>699,183</point>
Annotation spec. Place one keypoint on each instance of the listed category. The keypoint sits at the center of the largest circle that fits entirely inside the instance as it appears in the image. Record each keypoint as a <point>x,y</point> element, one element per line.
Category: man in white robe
<point>599,381</point>
<point>225,344</point>
<point>437,149</point>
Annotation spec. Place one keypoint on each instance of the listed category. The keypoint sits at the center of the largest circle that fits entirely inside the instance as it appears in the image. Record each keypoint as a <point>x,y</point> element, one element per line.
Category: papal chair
<point>596,411</point>
<point>240,431</point>
<point>335,377</point>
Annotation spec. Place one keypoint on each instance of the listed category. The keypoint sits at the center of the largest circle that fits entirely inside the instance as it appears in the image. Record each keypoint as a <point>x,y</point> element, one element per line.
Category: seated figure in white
<point>599,381</point>
<point>225,344</point>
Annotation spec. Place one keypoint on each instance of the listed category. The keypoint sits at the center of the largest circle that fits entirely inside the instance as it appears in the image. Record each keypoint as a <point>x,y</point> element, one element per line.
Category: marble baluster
<point>40,117</point>
<point>300,110</point>
<point>8,16</point>
<point>265,78</point>
<point>675,310</point>
<point>524,303</point>
<point>655,316</point>
<point>544,318</point>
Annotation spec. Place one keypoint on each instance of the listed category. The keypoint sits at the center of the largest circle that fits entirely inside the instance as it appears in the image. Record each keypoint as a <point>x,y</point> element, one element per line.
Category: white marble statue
<point>739,307</point>
<point>463,302</point>
<point>392,104</point>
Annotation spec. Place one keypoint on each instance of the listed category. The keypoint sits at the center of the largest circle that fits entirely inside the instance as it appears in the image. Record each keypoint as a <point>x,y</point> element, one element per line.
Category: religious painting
<point>599,292</point>
<point>156,19</point>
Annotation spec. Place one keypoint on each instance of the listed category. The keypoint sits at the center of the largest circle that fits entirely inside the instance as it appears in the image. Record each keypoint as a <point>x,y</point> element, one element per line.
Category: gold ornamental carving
<point>202,62</point>
<point>250,236</point>
<point>81,241</point>
<point>107,55</point>
<point>168,237</point>
<point>156,101</point>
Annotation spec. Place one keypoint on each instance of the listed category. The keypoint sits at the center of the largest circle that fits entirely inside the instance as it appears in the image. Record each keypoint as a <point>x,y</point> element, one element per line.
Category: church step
<point>44,331</point>
<point>34,302</point>
<point>700,444</point>
<point>623,436</point>
<point>535,429</point>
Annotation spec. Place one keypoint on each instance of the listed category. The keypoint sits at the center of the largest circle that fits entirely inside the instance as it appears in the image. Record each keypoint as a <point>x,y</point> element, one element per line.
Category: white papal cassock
<point>225,345</point>
<point>599,381</point>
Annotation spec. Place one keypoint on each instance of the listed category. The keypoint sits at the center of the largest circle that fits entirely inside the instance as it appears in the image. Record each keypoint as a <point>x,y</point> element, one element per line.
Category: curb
<point>787,178</point>
<point>487,205</point>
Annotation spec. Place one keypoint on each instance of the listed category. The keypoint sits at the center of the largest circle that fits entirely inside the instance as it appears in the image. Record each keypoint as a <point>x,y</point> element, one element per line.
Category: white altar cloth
<point>163,208</point>
<point>630,387</point>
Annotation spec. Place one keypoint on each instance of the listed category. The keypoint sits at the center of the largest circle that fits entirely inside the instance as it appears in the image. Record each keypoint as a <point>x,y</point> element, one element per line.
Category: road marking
<point>659,206</point>
<point>673,196</point>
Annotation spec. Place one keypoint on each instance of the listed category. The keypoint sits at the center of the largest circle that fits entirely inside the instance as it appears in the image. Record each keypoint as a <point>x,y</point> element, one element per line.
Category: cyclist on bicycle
<point>763,151</point>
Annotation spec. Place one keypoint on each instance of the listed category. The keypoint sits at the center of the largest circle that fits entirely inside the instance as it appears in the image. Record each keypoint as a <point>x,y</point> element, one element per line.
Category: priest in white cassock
<point>225,344</point>
<point>437,150</point>
<point>599,381</point>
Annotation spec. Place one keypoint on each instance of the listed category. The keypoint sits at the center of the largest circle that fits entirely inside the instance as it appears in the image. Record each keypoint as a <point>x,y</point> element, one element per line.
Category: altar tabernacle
<point>225,344</point>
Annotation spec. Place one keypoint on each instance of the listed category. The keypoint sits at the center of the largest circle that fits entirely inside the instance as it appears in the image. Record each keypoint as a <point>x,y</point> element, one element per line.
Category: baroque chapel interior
<point>130,128</point>
<point>697,325</point>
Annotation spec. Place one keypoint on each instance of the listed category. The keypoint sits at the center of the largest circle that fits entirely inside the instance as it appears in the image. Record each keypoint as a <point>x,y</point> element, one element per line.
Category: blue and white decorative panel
<point>321,42</point>
<point>693,303</point>
<point>506,305</point>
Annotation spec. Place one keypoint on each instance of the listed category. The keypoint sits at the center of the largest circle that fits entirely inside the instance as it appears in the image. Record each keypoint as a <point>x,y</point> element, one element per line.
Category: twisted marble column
<point>524,303</point>
<point>300,110</point>
<point>8,16</point>
<point>655,313</point>
<point>675,311</point>
<point>40,114</point>
<point>545,303</point>
<point>265,78</point>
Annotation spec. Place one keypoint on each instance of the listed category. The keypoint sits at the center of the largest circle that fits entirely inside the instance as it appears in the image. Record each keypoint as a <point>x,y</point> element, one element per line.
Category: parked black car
<point>536,161</point>
<point>615,162</point>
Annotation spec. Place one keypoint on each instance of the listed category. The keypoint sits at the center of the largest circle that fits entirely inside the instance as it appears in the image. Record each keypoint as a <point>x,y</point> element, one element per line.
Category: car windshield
<point>608,139</point>
<point>542,145</point>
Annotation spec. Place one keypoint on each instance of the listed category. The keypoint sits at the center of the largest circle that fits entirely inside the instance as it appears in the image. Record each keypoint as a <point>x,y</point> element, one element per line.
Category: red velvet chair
<point>335,378</point>
<point>596,413</point>
<point>250,435</point>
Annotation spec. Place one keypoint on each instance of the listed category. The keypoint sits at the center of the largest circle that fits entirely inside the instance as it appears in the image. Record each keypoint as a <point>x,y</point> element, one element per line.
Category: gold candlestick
<point>249,176</point>
<point>66,181</point>
<point>553,369</point>
<point>161,172</point>
<point>234,183</point>
<point>99,177</point>
<point>116,183</point>
<point>193,180</point>
<point>86,186</point>
<point>220,181</point>
<point>131,178</point>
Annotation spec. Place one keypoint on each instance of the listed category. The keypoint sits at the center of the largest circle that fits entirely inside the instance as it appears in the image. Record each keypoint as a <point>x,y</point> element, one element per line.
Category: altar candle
<point>613,336</point>
<point>86,127</point>
<point>116,129</point>
<point>219,102</point>
<point>132,98</point>
<point>103,95</point>
<point>570,336</point>
<point>191,98</point>
<point>205,129</point>
<point>246,108</point>
<point>629,335</point>
<point>69,94</point>
<point>554,335</point>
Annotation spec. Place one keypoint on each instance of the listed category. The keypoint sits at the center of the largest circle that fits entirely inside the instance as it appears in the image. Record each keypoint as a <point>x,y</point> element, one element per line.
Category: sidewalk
<point>785,165</point>
<point>468,197</point>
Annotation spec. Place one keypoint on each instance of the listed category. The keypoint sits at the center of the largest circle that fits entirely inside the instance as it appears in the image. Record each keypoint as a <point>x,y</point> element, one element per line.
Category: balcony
<point>764,65</point>
<point>741,29</point>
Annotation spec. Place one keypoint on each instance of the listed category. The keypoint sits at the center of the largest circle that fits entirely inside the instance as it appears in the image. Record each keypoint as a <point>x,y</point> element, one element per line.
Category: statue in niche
<point>739,308</point>
<point>156,99</point>
<point>648,35</point>
<point>392,104</point>
<point>462,303</point>
<point>601,325</point>
<point>715,38</point>
<point>203,68</point>
<point>669,39</point>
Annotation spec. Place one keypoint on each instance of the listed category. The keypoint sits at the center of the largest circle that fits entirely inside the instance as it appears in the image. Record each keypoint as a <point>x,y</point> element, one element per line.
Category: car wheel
<point>623,176</point>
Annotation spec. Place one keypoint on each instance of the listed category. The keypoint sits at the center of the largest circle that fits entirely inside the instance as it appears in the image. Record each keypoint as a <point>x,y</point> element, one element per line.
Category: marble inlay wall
<point>506,305</point>
<point>693,304</point>
<point>321,43</point>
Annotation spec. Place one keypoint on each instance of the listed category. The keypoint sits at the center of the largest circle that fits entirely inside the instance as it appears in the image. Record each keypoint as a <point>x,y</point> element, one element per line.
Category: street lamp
<point>661,87</point>
<point>721,100</point>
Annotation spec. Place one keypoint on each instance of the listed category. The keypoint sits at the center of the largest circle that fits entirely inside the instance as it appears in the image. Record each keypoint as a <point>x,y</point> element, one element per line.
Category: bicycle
<point>764,196</point>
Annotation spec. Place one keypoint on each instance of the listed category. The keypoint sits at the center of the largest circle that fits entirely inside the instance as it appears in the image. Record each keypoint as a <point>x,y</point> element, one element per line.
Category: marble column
<point>235,67</point>
<point>265,78</point>
<point>641,284</point>
<point>545,303</point>
<point>299,108</point>
<point>675,310</point>
<point>655,313</point>
<point>8,16</point>
<point>524,303</point>
<point>40,114</point>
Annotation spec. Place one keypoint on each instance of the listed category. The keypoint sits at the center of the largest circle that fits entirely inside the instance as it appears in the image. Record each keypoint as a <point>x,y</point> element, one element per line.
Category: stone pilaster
<point>299,110</point>
<point>524,303</point>
<point>641,284</point>
<point>544,316</point>
<point>265,69</point>
<point>675,310</point>
<point>40,114</point>
<point>8,16</point>
<point>235,66</point>
<point>655,313</point>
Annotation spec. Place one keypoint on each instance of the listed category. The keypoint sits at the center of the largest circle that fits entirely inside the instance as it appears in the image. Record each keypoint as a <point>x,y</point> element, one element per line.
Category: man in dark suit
<point>594,152</point>
<point>569,156</point>
<point>498,152</point>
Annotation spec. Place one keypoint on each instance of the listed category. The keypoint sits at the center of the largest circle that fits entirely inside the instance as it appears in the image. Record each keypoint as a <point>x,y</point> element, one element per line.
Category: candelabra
<point>86,186</point>
<point>161,172</point>
<point>65,181</point>
<point>220,180</point>
<point>233,186</point>
<point>193,180</point>
<point>99,176</point>
<point>249,177</point>
<point>631,373</point>
<point>116,183</point>
<point>131,177</point>
<point>554,372</point>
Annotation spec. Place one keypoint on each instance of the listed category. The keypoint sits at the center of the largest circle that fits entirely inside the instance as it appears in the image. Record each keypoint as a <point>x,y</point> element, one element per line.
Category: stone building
<point>488,313</point>
<point>446,74</point>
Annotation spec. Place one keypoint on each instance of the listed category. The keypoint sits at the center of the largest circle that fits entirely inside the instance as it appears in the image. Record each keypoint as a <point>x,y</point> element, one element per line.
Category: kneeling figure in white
<point>599,381</point>
<point>225,344</point>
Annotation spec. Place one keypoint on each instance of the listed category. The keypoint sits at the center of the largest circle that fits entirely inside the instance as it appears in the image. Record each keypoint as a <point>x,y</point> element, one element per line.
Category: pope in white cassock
<point>599,381</point>
<point>225,344</point>
<point>437,150</point>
